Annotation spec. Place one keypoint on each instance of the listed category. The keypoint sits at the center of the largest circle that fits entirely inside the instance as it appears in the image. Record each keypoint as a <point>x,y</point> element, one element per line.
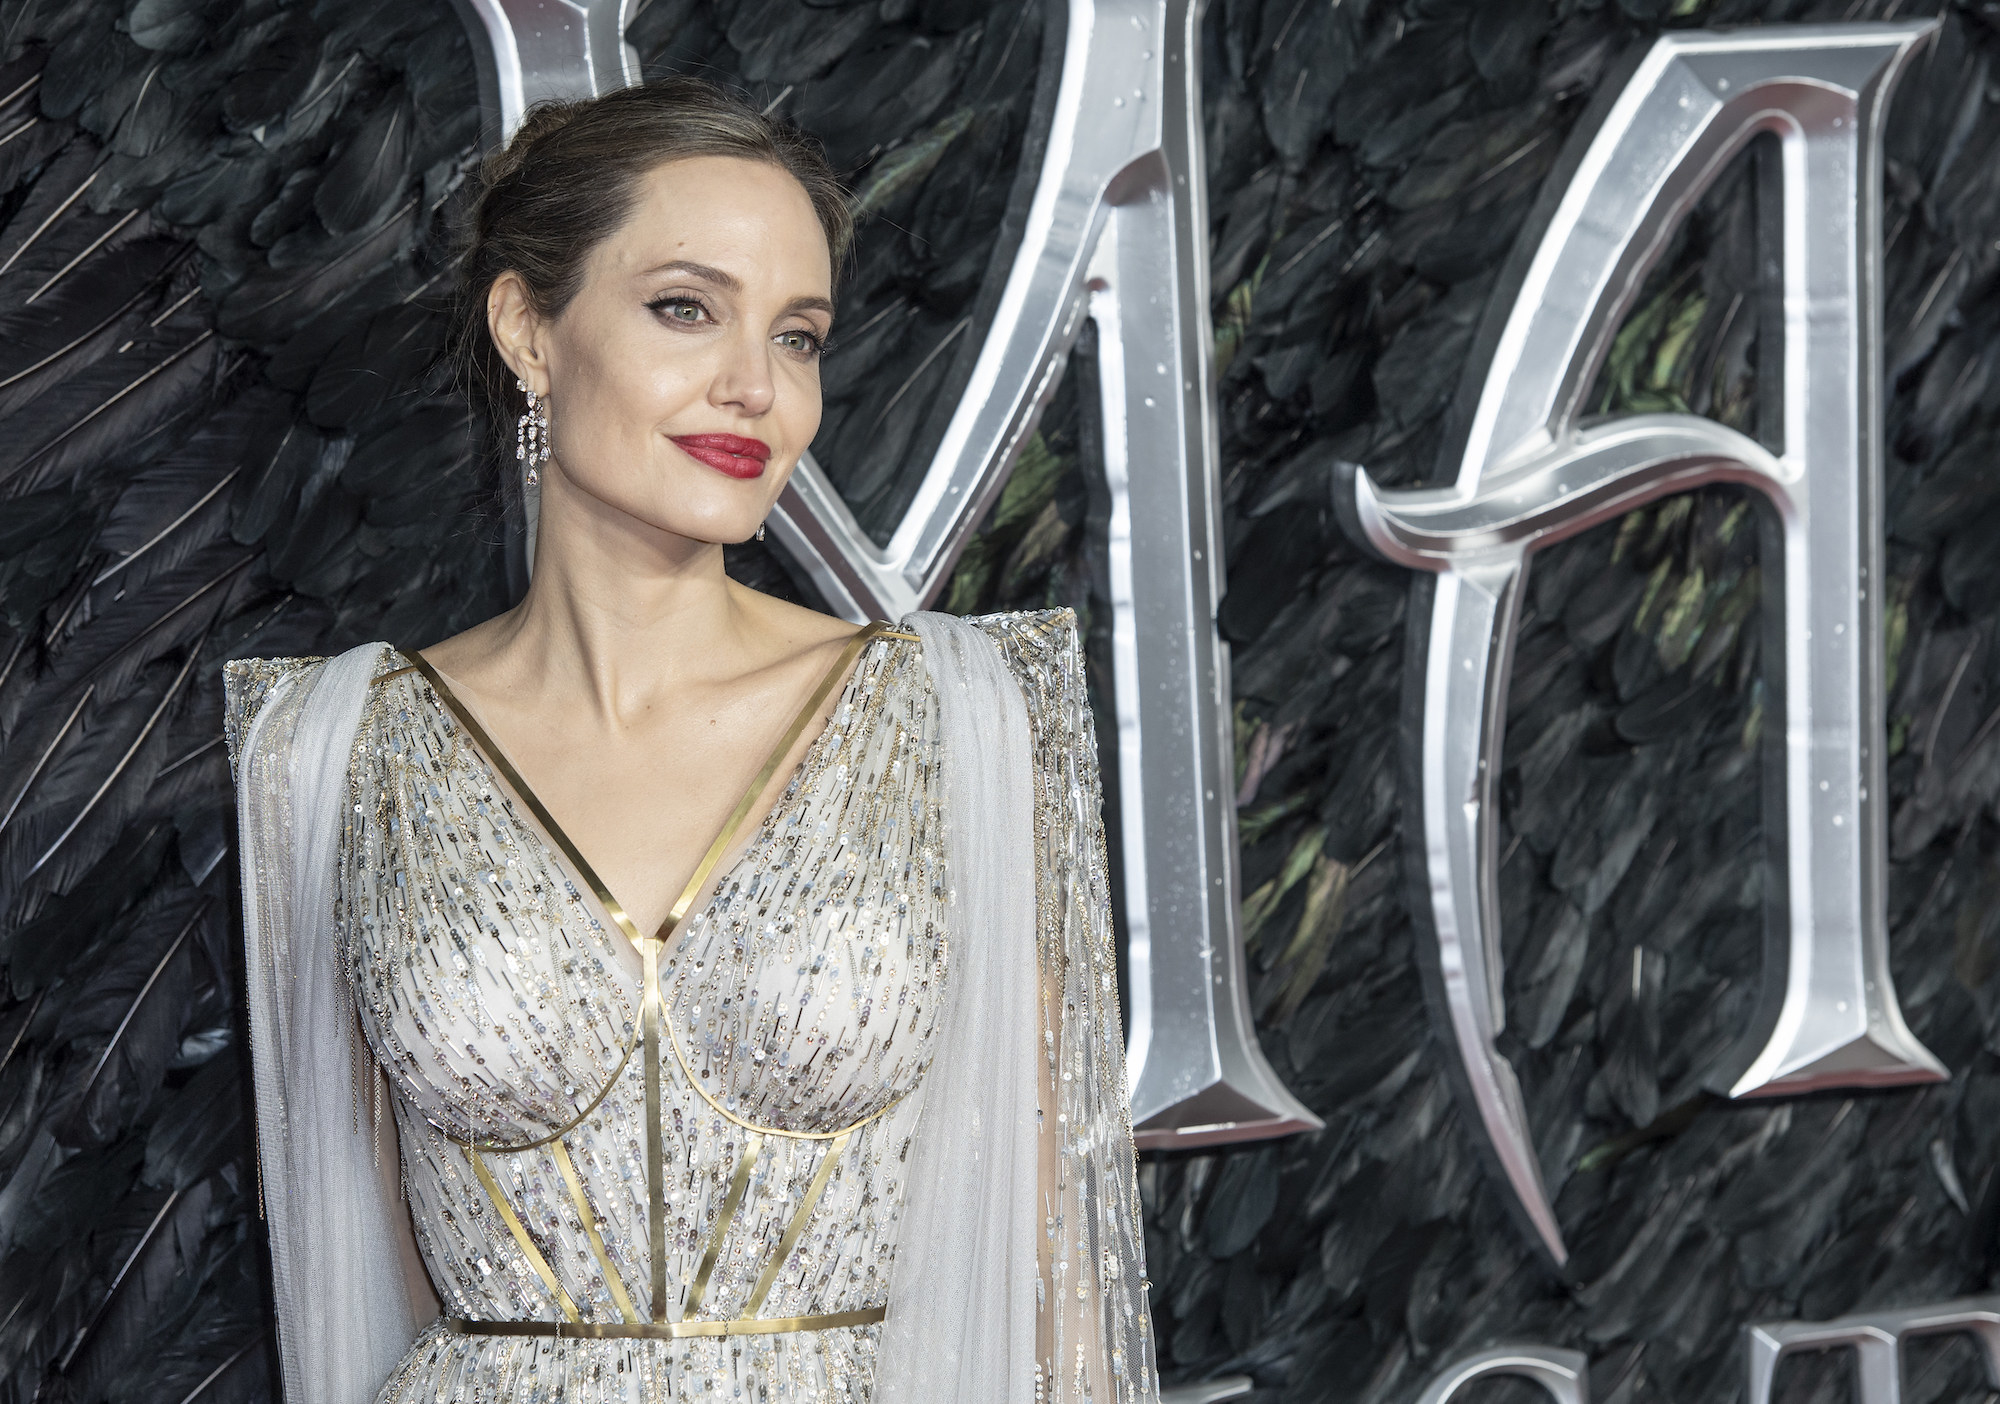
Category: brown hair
<point>569,178</point>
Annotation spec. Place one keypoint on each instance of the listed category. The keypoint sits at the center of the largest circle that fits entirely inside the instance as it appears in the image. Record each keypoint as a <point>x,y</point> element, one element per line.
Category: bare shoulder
<point>463,654</point>
<point>788,628</point>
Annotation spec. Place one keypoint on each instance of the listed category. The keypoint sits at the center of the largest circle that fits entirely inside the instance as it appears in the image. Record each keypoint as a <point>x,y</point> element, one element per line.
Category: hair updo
<point>569,178</point>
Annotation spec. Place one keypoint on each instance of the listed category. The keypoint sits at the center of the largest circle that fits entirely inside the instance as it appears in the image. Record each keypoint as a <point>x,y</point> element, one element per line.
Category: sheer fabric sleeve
<point>1094,1336</point>
<point>343,1307</point>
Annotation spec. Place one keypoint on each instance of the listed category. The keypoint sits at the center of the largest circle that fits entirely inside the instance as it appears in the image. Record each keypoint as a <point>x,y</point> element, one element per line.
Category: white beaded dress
<point>709,1210</point>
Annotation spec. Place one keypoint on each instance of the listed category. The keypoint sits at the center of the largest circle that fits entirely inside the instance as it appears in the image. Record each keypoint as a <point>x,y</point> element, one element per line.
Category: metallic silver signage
<point>1116,233</point>
<point>1209,1391</point>
<point>1564,1374</point>
<point>1877,1338</point>
<point>536,50</point>
<point>1530,473</point>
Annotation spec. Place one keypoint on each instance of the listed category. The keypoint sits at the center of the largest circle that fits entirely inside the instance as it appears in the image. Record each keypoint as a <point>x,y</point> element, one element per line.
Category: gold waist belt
<point>666,1330</point>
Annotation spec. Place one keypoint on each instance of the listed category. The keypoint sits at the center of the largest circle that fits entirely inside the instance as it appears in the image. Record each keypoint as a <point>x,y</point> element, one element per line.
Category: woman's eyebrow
<point>728,282</point>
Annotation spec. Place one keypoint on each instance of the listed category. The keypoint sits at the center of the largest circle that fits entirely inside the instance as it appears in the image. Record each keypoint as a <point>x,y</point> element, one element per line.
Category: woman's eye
<point>680,309</point>
<point>802,343</point>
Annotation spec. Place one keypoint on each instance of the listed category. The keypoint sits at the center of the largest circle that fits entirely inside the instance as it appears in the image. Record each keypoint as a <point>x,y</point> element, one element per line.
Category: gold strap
<point>687,1075</point>
<point>752,1148</point>
<point>666,1330</point>
<point>656,1136</point>
<point>520,1232</point>
<point>555,1137</point>
<point>589,1217</point>
<point>499,761</point>
<point>797,1225</point>
<point>791,736</point>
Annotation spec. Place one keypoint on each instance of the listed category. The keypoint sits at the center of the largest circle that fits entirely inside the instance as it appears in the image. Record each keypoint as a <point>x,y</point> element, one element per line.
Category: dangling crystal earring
<point>760,531</point>
<point>531,434</point>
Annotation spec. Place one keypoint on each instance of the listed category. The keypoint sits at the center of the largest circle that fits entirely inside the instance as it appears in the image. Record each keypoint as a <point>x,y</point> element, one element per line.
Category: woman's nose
<point>743,379</point>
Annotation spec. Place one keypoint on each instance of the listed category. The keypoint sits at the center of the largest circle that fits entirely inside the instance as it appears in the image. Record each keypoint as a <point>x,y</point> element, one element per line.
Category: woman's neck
<point>618,614</point>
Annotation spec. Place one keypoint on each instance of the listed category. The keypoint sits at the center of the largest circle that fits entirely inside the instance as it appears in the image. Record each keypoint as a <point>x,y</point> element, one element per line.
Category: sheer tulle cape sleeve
<point>344,1316</point>
<point>961,1321</point>
<point>1095,1335</point>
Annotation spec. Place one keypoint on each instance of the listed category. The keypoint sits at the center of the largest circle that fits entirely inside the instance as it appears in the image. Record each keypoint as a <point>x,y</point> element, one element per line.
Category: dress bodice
<point>799,999</point>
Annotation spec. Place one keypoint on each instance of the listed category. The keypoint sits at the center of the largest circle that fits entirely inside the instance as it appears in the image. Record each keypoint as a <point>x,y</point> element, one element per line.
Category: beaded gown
<point>750,1163</point>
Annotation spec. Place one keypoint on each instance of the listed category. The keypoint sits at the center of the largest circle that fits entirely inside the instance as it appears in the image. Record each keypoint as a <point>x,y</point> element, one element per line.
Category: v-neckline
<point>711,866</point>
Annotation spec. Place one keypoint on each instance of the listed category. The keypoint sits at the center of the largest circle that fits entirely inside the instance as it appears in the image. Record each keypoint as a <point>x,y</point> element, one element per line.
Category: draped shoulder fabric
<point>962,1323</point>
<point>965,1161</point>
<point>343,1310</point>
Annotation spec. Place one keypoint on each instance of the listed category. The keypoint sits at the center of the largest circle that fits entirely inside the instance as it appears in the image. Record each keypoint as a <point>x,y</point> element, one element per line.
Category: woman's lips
<point>726,453</point>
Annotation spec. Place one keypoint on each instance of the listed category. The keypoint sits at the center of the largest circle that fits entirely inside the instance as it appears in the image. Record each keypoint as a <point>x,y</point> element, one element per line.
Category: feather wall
<point>222,231</point>
<point>210,214</point>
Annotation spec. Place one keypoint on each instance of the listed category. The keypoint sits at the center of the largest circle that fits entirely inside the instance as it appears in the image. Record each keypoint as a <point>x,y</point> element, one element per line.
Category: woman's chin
<point>720,524</point>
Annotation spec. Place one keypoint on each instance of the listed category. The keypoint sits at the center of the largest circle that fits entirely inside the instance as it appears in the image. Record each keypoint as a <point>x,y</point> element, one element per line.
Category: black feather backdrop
<point>223,251</point>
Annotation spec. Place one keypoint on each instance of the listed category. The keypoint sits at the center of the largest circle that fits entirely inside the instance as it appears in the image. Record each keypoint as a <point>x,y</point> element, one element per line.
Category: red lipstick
<point>726,453</point>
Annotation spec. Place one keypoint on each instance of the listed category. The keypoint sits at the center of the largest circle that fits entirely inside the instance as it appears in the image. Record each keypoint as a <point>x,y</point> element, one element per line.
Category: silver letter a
<point>1529,474</point>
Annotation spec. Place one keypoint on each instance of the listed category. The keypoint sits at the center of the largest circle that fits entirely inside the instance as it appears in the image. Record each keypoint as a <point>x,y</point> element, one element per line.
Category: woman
<point>828,1101</point>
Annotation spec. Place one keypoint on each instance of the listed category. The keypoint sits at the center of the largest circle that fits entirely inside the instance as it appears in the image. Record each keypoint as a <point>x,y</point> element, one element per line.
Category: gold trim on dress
<point>589,1217</point>
<point>555,1137</point>
<point>667,1330</point>
<point>527,1245</point>
<point>730,1116</point>
<point>849,651</point>
<point>797,1225</point>
<point>656,1136</point>
<point>560,837</point>
<point>752,1148</point>
<point>652,947</point>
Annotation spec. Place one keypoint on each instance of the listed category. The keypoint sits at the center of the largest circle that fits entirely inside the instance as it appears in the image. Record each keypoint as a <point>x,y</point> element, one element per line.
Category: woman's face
<point>683,378</point>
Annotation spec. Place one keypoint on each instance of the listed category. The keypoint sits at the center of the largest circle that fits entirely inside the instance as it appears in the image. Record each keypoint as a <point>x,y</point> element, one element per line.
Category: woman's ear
<point>516,330</point>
